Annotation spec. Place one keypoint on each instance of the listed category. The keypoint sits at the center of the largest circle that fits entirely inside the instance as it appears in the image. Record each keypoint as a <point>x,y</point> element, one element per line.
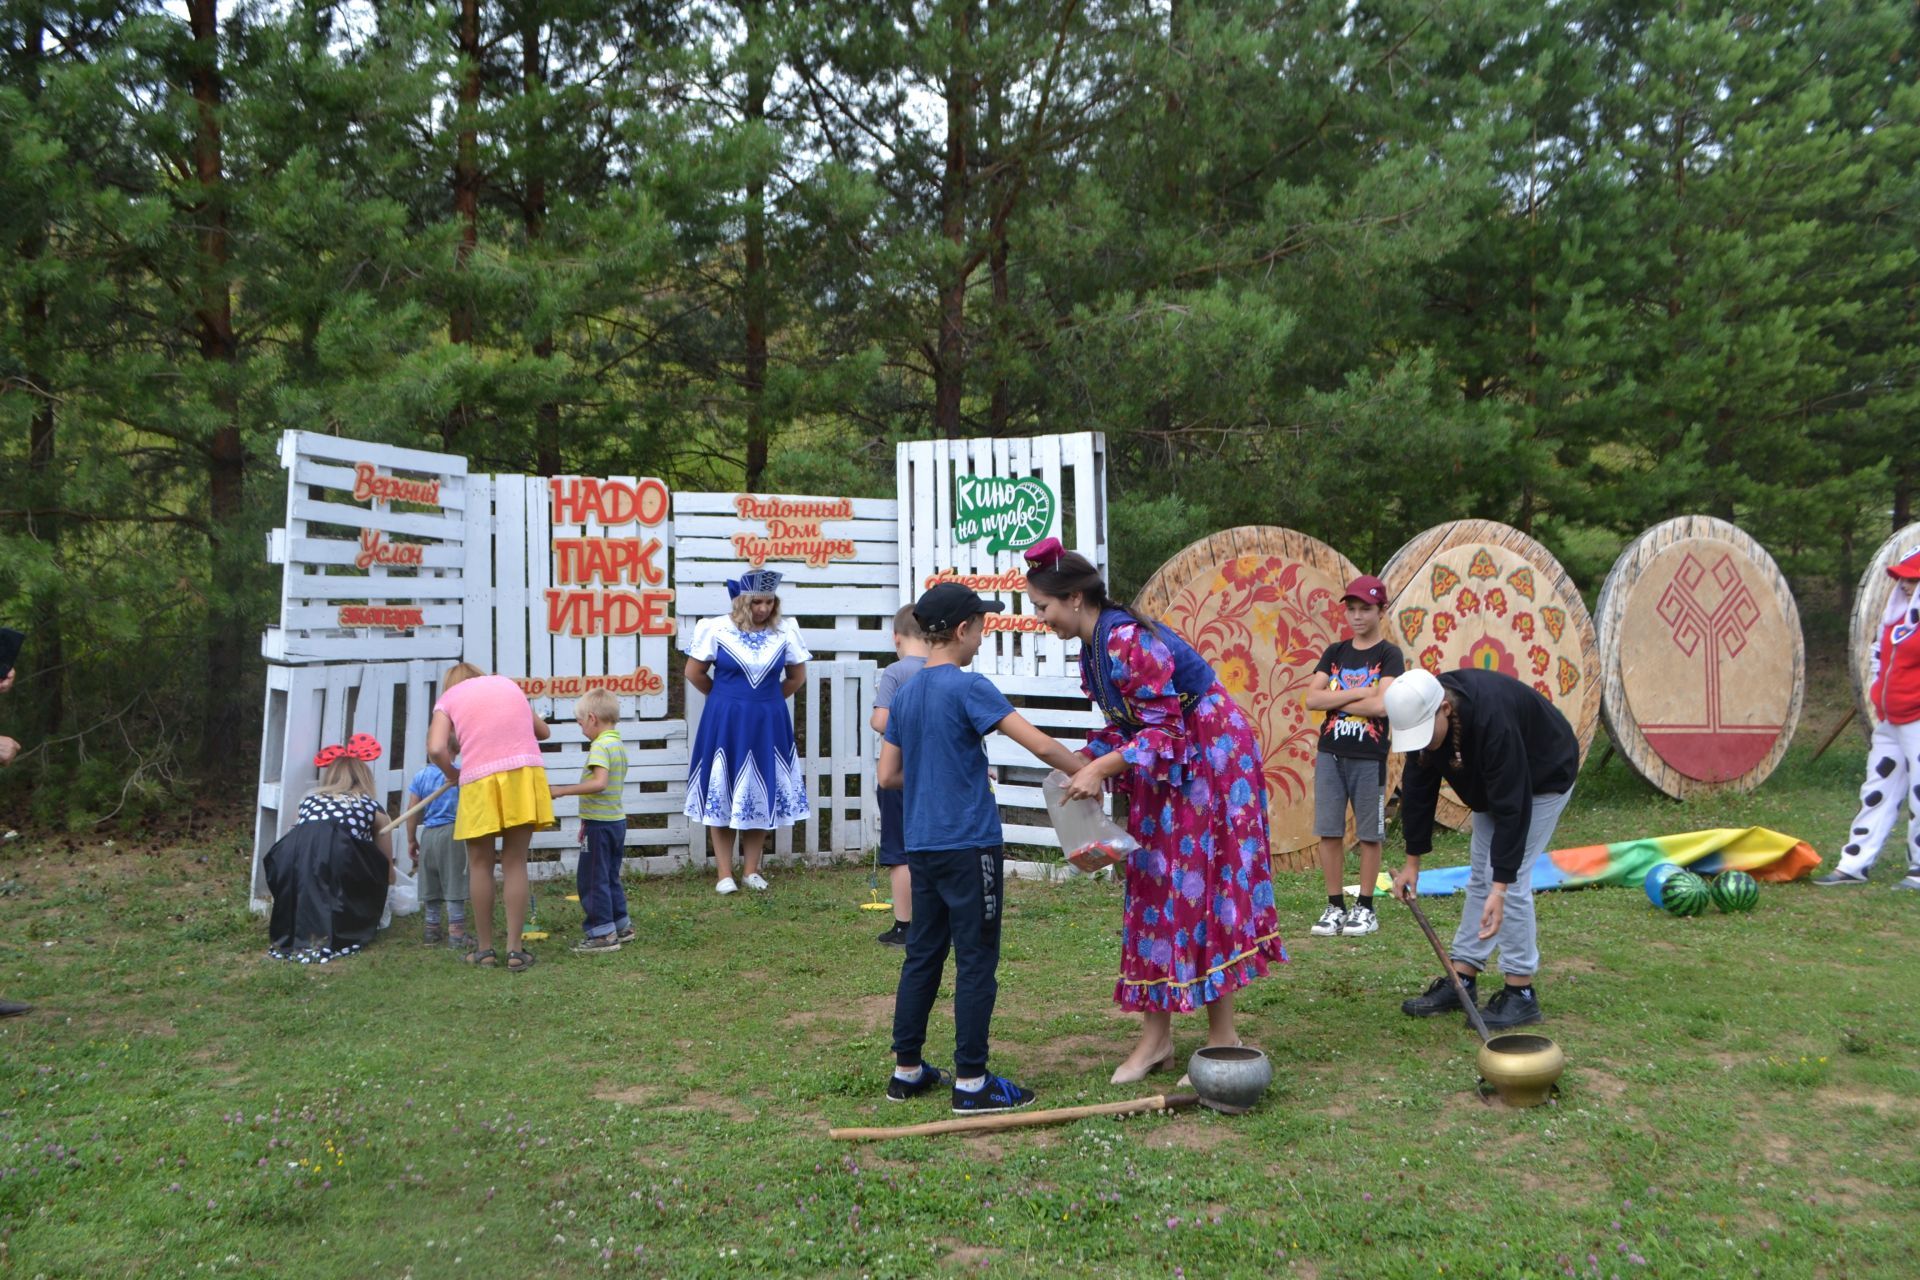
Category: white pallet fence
<point>487,558</point>
<point>312,706</point>
<point>510,529</point>
<point>1037,670</point>
<point>1074,467</point>
<point>322,537</point>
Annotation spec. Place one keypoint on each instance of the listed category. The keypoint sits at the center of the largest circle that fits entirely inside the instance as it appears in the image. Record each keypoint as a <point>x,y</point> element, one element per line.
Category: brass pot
<point>1521,1067</point>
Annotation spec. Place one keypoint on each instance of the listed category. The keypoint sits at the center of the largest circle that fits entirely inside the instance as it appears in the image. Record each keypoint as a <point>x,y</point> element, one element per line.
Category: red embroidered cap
<point>1907,566</point>
<point>1367,589</point>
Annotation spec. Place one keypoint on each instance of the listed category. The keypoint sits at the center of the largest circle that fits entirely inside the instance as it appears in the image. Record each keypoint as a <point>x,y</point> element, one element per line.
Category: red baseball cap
<point>1367,589</point>
<point>1907,567</point>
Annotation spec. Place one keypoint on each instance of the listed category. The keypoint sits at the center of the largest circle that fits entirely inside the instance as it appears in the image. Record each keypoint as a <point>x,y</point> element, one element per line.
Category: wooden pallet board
<point>1481,593</point>
<point>1705,663</point>
<point>1262,603</point>
<point>1869,602</point>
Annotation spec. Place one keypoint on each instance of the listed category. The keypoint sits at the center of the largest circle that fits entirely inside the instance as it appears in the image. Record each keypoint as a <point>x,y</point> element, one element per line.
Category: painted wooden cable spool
<point>1478,593</point>
<point>1706,667</point>
<point>1869,603</point>
<point>1261,604</point>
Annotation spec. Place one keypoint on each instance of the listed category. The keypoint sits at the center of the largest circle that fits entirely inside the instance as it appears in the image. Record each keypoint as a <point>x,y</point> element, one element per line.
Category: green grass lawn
<point>1742,1096</point>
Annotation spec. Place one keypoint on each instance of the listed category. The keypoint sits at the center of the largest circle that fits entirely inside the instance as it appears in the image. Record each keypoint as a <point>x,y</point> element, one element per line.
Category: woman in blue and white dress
<point>745,775</point>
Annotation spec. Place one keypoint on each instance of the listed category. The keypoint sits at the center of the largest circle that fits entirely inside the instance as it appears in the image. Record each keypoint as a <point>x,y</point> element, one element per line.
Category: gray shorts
<point>443,865</point>
<point>1338,782</point>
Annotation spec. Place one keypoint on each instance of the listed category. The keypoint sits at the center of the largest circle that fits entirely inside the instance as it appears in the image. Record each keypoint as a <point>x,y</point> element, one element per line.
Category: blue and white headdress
<point>758,582</point>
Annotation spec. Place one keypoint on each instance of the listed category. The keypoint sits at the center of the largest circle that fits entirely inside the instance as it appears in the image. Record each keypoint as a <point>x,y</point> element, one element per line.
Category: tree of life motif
<point>1721,631</point>
<point>1262,622</point>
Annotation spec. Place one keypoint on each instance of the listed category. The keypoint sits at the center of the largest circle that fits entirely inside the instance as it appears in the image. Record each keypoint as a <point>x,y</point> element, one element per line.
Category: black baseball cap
<point>946,605</point>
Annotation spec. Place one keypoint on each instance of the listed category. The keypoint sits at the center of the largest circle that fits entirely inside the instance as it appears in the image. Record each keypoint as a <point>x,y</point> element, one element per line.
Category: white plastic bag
<point>403,896</point>
<point>1090,839</point>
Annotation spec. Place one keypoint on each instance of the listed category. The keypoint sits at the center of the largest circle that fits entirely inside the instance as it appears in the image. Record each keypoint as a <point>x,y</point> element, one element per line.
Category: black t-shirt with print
<point>1345,667</point>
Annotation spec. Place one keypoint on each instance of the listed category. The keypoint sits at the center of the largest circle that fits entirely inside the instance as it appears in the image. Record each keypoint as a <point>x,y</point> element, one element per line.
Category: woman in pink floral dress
<point>1200,921</point>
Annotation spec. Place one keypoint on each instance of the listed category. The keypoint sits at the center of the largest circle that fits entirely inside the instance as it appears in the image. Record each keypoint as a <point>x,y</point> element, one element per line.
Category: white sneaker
<point>1359,921</point>
<point>1329,922</point>
<point>726,886</point>
<point>1910,881</point>
<point>757,881</point>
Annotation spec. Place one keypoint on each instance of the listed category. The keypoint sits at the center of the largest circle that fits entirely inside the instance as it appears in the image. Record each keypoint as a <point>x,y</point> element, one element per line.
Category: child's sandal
<point>519,961</point>
<point>484,959</point>
<point>430,936</point>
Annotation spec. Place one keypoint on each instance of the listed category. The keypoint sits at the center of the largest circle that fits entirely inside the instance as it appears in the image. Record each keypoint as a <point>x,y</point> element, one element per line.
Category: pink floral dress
<point>1200,920</point>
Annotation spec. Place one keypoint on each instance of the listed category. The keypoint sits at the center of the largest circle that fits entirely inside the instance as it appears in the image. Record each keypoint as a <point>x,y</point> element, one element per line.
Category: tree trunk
<point>226,453</point>
<point>999,406</point>
<point>546,436</point>
<point>466,193</point>
<point>754,288</point>
<point>43,477</point>
<point>949,365</point>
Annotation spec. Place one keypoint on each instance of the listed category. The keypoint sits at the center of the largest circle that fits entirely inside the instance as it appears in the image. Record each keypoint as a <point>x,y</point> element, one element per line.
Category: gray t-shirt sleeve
<point>888,685</point>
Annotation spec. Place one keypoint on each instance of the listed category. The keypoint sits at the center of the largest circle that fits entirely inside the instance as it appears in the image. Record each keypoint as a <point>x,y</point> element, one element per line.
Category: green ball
<point>1684,894</point>
<point>1735,891</point>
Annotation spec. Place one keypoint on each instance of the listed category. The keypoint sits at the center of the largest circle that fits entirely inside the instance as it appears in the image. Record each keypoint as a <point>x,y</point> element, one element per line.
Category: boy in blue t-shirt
<point>934,753</point>
<point>439,862</point>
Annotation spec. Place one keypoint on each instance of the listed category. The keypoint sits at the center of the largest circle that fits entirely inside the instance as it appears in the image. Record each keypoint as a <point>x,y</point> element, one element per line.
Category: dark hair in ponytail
<point>1074,574</point>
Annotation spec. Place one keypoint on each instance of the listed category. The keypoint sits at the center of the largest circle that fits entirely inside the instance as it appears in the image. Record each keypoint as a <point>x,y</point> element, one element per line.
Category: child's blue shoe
<point>931,1077</point>
<point>997,1094</point>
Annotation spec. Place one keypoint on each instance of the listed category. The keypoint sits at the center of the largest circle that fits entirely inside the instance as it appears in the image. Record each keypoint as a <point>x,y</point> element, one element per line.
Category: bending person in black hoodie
<point>1512,758</point>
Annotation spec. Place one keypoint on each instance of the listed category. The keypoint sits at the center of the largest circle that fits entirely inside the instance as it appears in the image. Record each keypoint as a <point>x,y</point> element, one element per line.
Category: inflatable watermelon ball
<point>1735,891</point>
<point>1656,879</point>
<point>1684,894</point>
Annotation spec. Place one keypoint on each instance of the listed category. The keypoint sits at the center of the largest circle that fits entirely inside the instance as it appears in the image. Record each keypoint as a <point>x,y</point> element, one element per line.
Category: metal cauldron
<point>1229,1078</point>
<point>1521,1067</point>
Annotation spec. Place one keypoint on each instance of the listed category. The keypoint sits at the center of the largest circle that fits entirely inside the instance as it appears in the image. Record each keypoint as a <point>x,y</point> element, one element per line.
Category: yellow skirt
<point>502,801</point>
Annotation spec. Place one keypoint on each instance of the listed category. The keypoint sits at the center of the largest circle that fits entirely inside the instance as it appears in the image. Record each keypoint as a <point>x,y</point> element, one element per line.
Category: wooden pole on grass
<point>1022,1119</point>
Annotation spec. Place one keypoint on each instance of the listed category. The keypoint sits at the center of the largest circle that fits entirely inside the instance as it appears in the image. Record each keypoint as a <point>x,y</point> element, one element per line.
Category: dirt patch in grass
<point>653,1097</point>
<point>869,1013</point>
<point>1188,1132</point>
<point>1595,1084</point>
<point>965,1257</point>
<point>1835,1097</point>
<point>705,1102</point>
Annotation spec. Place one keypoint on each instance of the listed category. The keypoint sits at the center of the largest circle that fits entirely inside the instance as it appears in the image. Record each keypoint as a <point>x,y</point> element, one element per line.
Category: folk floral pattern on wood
<point>1478,609</point>
<point>1263,621</point>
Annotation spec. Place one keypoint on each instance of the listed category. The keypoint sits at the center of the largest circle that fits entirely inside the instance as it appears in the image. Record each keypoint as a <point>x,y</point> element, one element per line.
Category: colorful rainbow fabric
<point>1762,854</point>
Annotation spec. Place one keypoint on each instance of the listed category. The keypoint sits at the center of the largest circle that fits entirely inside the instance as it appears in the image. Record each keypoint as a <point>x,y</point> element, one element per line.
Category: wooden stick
<point>410,811</point>
<point>1022,1119</point>
<point>1446,964</point>
<point>1852,711</point>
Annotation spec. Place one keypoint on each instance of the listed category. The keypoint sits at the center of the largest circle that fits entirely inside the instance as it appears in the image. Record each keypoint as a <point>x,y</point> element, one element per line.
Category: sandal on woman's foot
<point>519,961</point>
<point>462,941</point>
<point>484,959</point>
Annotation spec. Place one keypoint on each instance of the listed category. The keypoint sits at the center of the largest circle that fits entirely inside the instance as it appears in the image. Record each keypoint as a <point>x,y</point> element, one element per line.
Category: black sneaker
<point>997,1094</point>
<point>931,1077</point>
<point>894,937</point>
<point>13,1008</point>
<point>1510,1008</point>
<point>1438,998</point>
<point>596,946</point>
<point>1839,878</point>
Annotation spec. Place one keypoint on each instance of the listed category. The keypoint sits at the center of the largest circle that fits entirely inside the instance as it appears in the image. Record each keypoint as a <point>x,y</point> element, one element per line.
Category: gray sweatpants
<point>1516,942</point>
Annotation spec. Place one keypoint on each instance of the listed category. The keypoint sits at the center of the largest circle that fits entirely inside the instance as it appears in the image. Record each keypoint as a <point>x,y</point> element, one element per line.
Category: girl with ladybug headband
<point>329,874</point>
<point>1893,757</point>
<point>345,793</point>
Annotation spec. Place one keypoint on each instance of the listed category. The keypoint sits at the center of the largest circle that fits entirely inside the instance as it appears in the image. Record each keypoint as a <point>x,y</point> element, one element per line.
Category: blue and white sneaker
<point>997,1094</point>
<point>931,1077</point>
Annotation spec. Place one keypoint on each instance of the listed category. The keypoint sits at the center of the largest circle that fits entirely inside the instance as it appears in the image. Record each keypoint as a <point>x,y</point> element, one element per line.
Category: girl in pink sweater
<point>491,726</point>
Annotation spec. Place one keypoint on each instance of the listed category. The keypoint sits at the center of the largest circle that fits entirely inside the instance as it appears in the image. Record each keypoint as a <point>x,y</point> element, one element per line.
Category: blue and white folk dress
<point>745,773</point>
